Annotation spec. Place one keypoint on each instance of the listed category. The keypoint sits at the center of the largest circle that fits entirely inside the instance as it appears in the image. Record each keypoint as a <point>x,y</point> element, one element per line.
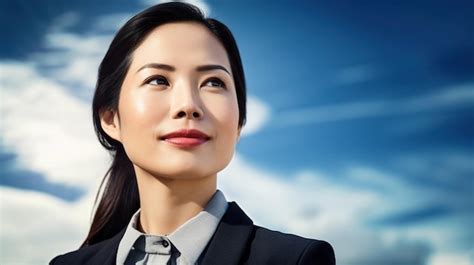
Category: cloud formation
<point>450,97</point>
<point>320,208</point>
<point>48,126</point>
<point>48,129</point>
<point>258,114</point>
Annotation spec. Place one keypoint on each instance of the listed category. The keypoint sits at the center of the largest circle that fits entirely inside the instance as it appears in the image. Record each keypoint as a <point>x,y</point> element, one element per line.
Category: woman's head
<point>168,68</point>
<point>179,77</point>
<point>118,58</point>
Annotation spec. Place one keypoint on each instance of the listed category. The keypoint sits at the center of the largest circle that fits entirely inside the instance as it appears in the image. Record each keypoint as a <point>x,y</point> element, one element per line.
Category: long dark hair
<point>119,198</point>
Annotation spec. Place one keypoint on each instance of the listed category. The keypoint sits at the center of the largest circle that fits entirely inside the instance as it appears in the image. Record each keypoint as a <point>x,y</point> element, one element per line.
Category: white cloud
<point>311,205</point>
<point>258,113</point>
<point>450,97</point>
<point>318,207</point>
<point>43,122</point>
<point>29,218</point>
<point>450,258</point>
<point>50,130</point>
<point>451,167</point>
<point>73,59</point>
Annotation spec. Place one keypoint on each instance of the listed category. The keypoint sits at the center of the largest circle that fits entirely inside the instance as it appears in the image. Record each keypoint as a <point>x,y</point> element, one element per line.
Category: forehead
<point>181,44</point>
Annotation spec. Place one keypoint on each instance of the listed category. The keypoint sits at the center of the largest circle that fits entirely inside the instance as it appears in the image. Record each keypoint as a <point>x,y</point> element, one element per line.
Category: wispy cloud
<point>50,131</point>
<point>320,207</point>
<point>42,111</point>
<point>355,74</point>
<point>70,58</point>
<point>449,97</point>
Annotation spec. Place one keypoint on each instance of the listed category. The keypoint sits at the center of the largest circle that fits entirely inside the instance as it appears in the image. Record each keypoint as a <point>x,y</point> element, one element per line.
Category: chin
<point>186,172</point>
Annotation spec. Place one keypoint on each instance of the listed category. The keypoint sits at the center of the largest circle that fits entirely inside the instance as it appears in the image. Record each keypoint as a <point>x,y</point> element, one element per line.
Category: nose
<point>186,104</point>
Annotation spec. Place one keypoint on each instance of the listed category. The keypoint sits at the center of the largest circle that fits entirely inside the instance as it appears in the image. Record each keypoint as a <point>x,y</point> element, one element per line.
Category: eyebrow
<point>201,68</point>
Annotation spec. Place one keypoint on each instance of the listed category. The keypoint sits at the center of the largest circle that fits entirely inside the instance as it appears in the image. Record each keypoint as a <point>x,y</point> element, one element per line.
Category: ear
<point>110,123</point>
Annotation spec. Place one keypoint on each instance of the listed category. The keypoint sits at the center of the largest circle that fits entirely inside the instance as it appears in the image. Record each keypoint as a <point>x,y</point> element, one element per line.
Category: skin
<point>175,183</point>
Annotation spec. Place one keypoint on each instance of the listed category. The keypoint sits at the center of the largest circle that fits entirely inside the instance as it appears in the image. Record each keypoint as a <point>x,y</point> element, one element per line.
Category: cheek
<point>225,112</point>
<point>140,114</point>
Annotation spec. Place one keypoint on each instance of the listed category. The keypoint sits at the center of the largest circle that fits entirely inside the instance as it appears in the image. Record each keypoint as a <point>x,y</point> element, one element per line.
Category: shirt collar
<point>128,239</point>
<point>190,238</point>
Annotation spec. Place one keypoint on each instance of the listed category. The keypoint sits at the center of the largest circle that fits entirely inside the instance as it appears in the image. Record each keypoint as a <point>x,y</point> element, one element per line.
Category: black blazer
<point>236,241</point>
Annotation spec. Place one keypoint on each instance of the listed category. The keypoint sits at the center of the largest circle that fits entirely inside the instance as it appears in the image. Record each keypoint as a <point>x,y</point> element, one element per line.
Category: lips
<point>186,138</point>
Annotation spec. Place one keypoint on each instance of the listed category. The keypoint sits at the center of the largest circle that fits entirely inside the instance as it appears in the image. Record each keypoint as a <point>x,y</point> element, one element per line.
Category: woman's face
<point>179,79</point>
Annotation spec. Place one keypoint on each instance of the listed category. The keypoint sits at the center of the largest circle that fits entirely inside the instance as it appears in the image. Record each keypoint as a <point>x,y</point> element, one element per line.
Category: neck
<point>166,204</point>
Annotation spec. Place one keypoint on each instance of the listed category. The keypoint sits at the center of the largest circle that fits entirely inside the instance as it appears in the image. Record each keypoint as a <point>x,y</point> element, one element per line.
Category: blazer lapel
<point>229,242</point>
<point>108,253</point>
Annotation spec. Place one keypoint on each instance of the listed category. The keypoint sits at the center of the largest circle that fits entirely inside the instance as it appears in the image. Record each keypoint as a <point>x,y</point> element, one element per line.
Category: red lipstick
<point>185,138</point>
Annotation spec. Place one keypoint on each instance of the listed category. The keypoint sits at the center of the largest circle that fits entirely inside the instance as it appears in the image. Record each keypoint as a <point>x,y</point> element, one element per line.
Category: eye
<point>156,80</point>
<point>214,82</point>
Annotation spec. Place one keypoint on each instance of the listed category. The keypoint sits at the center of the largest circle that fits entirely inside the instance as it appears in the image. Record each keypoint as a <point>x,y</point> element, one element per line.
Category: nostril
<point>195,115</point>
<point>181,114</point>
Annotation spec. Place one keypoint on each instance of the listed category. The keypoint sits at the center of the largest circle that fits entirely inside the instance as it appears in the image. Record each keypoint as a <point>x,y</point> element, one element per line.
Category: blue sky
<point>360,123</point>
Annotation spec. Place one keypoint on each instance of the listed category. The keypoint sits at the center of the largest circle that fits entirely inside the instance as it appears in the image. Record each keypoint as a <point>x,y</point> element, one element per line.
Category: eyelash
<point>162,78</point>
<point>156,77</point>
<point>215,79</point>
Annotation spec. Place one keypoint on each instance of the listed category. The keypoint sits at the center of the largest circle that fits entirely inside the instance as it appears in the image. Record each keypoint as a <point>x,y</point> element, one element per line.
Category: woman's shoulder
<point>79,256</point>
<point>289,247</point>
<point>102,251</point>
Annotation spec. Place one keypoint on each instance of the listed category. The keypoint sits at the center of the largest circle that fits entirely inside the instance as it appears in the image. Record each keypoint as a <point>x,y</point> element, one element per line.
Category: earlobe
<point>110,124</point>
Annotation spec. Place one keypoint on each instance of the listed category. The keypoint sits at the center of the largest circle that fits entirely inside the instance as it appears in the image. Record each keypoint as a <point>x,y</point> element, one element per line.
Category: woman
<point>169,105</point>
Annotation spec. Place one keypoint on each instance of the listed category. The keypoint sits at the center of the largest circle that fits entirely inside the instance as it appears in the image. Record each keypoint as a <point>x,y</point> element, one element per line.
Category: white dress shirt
<point>181,247</point>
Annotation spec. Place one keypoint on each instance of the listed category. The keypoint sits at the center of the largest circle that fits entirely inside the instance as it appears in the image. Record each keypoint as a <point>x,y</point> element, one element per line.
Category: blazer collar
<point>227,245</point>
<point>229,242</point>
<point>108,253</point>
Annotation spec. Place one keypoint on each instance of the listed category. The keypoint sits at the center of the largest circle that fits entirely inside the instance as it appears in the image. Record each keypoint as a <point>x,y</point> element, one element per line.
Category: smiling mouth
<point>186,138</point>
